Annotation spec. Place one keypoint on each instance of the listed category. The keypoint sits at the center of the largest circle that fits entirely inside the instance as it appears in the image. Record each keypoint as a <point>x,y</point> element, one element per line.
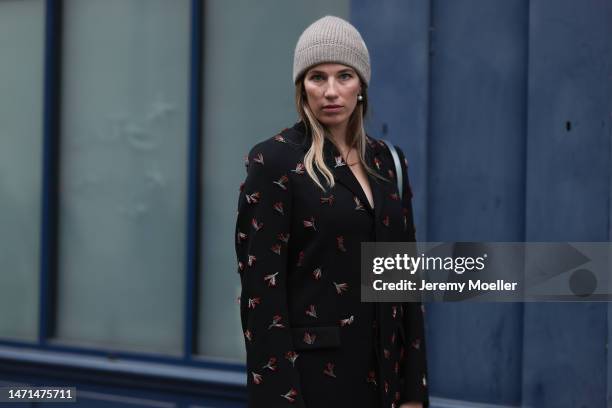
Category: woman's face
<point>331,93</point>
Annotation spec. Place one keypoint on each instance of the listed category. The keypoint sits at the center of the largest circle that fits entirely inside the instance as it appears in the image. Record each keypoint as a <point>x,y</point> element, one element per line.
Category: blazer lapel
<point>343,175</point>
<point>379,189</point>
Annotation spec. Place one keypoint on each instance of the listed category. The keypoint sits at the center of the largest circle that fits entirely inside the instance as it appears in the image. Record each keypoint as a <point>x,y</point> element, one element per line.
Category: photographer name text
<point>478,285</point>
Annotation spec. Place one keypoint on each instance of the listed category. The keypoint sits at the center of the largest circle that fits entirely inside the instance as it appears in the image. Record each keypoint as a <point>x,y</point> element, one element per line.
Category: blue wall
<point>504,111</point>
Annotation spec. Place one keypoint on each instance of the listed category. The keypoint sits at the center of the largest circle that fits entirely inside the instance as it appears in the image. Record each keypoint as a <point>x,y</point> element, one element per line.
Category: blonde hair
<point>355,132</point>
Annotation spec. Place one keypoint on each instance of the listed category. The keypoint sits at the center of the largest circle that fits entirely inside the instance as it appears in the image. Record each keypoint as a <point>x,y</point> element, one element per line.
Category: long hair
<point>356,136</point>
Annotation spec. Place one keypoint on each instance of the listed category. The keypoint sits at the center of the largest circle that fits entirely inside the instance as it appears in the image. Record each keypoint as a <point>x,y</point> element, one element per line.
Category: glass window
<point>248,97</point>
<point>21,142</point>
<point>125,80</point>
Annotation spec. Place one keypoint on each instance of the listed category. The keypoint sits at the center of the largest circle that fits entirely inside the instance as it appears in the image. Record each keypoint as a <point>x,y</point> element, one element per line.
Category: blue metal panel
<point>564,361</point>
<point>476,185</point>
<point>568,189</point>
<point>477,143</point>
<point>569,120</point>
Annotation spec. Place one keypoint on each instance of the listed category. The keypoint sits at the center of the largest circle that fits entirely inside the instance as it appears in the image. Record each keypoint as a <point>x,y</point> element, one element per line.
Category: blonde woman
<point>313,193</point>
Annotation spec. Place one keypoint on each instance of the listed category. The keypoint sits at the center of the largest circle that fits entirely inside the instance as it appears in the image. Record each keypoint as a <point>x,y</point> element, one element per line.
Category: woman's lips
<point>332,108</point>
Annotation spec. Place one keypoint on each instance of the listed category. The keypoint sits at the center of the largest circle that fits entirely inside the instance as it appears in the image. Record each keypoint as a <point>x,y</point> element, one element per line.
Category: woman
<point>313,193</point>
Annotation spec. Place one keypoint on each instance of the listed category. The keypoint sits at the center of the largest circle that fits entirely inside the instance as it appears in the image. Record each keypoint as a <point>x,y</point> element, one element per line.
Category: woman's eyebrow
<point>316,71</point>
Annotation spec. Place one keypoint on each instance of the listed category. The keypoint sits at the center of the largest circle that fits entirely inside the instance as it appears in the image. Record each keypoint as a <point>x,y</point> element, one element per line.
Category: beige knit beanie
<point>331,39</point>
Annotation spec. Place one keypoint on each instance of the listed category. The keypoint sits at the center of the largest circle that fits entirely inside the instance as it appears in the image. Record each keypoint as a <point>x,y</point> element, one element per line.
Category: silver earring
<point>359,98</point>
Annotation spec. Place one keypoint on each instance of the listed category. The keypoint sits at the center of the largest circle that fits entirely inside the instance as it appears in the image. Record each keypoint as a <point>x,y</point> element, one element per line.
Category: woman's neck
<point>338,135</point>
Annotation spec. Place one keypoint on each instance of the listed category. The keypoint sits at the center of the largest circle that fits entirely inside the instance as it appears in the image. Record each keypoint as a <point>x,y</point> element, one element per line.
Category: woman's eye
<point>345,76</point>
<point>316,77</point>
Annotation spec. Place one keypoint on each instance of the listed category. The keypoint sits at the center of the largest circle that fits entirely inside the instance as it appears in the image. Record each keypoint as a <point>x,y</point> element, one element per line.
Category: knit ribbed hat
<point>331,39</point>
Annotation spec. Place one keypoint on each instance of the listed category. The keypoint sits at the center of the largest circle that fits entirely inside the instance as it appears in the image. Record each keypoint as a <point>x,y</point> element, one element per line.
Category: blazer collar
<point>343,174</point>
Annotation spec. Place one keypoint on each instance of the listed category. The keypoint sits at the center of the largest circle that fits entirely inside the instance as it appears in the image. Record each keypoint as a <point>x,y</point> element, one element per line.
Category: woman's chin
<point>330,121</point>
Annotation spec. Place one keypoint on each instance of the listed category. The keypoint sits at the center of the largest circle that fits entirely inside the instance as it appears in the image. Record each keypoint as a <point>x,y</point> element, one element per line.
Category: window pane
<point>123,174</point>
<point>248,96</point>
<point>21,85</point>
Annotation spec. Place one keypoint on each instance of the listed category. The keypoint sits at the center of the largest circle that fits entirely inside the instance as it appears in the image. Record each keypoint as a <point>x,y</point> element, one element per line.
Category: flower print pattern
<point>256,224</point>
<point>257,378</point>
<point>339,161</point>
<point>371,378</point>
<point>290,395</point>
<point>271,364</point>
<point>248,335</point>
<point>311,311</point>
<point>252,198</point>
<point>377,163</point>
<point>276,322</point>
<point>271,279</point>
<point>254,302</point>
<point>240,236</point>
<point>259,159</point>
<point>272,268</point>
<point>385,221</point>
<point>341,287</point>
<point>328,200</point>
<point>278,207</point>
<point>299,169</point>
<point>329,370</point>
<point>265,194</point>
<point>310,223</point>
<point>309,338</point>
<point>291,356</point>
<point>358,205</point>
<point>349,320</point>
<point>300,259</point>
<point>340,243</point>
<point>276,248</point>
<point>282,182</point>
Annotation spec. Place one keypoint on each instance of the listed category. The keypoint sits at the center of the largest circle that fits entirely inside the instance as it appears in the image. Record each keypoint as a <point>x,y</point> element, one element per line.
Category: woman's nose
<point>330,89</point>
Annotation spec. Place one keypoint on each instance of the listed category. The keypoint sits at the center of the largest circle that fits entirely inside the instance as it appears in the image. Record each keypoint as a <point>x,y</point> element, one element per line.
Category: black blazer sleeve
<point>262,236</point>
<point>415,367</point>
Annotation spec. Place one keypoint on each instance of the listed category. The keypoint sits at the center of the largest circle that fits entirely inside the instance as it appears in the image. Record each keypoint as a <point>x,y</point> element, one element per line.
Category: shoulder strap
<point>398,167</point>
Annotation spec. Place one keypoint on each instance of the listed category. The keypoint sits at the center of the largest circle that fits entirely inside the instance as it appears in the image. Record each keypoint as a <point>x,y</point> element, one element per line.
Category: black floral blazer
<point>310,341</point>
